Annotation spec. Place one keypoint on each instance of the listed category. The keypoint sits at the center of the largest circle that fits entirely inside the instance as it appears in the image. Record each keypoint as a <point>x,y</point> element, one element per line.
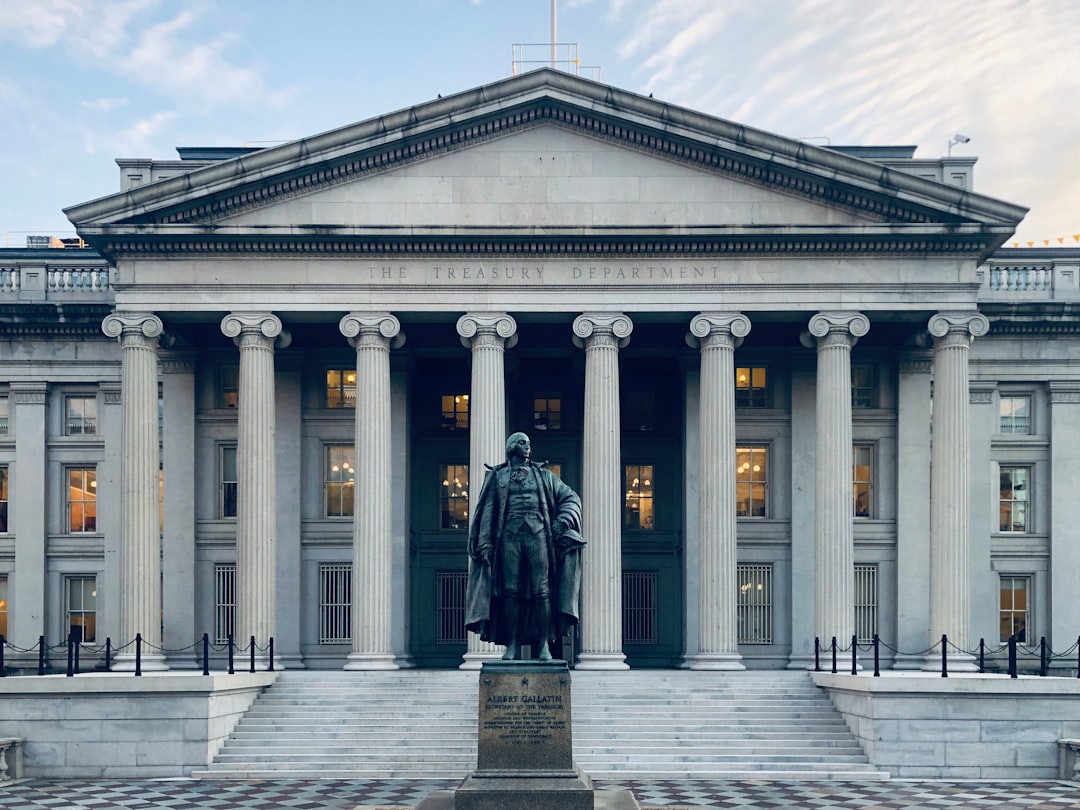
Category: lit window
<point>82,608</point>
<point>3,607</point>
<point>450,588</point>
<point>866,598</point>
<point>547,413</point>
<point>340,484</point>
<point>81,416</point>
<point>82,499</point>
<point>3,416</point>
<point>335,603</point>
<point>341,388</point>
<point>639,411</point>
<point>1014,415</point>
<point>1013,614</point>
<point>1013,499</point>
<point>227,482</point>
<point>754,612</point>
<point>455,411</point>
<point>863,388</point>
<point>862,476</point>
<point>751,481</point>
<point>454,496</point>
<point>224,601</point>
<point>4,500</point>
<point>750,387</point>
<point>638,508</point>
<point>229,387</point>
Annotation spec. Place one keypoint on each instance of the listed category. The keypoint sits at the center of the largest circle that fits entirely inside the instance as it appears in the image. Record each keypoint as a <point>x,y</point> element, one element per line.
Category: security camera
<point>958,138</point>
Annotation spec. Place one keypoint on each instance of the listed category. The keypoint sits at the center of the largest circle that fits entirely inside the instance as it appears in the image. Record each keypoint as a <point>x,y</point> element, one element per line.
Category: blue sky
<point>85,81</point>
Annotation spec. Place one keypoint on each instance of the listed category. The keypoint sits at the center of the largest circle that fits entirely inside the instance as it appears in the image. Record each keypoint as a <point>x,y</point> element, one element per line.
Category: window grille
<point>751,481</point>
<point>340,388</point>
<point>82,607</point>
<point>450,606</point>
<point>638,506</point>
<point>1014,414</point>
<point>751,389</point>
<point>455,411</point>
<point>82,499</point>
<point>754,607</point>
<point>1013,499</point>
<point>1013,615</point>
<point>866,598</point>
<point>81,416</point>
<point>3,416</point>
<point>639,607</point>
<point>224,601</point>
<point>335,603</point>
<point>863,387</point>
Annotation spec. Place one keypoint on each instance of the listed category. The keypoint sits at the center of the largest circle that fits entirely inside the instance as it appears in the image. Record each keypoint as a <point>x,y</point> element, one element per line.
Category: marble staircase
<point>663,724</point>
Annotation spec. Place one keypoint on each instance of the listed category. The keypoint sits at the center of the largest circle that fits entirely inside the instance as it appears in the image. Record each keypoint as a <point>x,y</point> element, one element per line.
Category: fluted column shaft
<point>256,591</point>
<point>718,334</point>
<point>140,537</point>
<point>602,335</point>
<point>372,335</point>
<point>950,495</point>
<point>834,551</point>
<point>487,335</point>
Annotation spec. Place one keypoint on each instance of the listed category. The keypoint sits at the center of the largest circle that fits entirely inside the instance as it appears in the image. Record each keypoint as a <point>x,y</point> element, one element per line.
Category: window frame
<point>1029,427</point>
<point>335,603</point>
<point>228,395</point>
<point>345,496</point>
<point>871,451</point>
<point>459,415</point>
<point>755,397</point>
<point>752,448</point>
<point>222,483</point>
<point>864,397</point>
<point>758,614</point>
<point>867,603</point>
<point>87,423</point>
<point>4,605</point>
<point>5,415</point>
<point>224,601</point>
<point>1027,631</point>
<point>71,611</point>
<point>455,494</point>
<point>341,389</point>
<point>1028,517</point>
<point>545,423</point>
<point>5,502</point>
<point>635,492</point>
<point>88,485</point>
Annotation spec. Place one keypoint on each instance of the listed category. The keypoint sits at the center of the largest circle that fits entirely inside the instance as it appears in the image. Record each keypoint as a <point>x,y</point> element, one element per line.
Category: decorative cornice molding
<point>177,362</point>
<point>111,392</point>
<point>21,331</point>
<point>28,393</point>
<point>1064,392</point>
<point>981,392</point>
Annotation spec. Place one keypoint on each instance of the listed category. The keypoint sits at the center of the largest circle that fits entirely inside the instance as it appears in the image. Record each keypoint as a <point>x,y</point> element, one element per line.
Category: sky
<point>83,82</point>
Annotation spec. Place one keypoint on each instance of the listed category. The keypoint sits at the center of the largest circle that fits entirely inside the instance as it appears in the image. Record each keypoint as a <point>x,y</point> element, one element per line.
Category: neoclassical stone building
<point>802,391</point>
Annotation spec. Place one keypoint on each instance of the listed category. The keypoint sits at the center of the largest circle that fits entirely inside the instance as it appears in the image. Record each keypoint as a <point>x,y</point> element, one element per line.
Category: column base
<point>601,661</point>
<point>910,663</point>
<point>717,662</point>
<point>802,661</point>
<point>475,660</point>
<point>365,662</point>
<point>957,662</point>
<point>151,662</point>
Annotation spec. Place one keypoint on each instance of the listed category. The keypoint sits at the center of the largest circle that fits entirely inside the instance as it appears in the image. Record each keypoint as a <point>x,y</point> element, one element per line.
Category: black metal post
<point>944,656</point>
<point>877,656</point>
<point>77,648</point>
<point>3,643</point>
<point>834,655</point>
<point>108,653</point>
<point>1078,656</point>
<point>232,669</point>
<point>817,657</point>
<point>982,655</point>
<point>1043,663</point>
<point>271,667</point>
<point>854,652</point>
<point>205,653</point>
<point>41,655</point>
<point>252,669</point>
<point>138,654</point>
<point>1012,656</point>
<point>70,655</point>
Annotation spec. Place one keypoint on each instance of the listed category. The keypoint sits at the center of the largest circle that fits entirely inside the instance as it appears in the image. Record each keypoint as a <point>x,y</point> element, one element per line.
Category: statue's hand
<point>485,554</point>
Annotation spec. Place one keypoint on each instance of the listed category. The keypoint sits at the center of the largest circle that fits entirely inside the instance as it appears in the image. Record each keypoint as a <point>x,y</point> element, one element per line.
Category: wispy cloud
<point>135,139</point>
<point>103,104</point>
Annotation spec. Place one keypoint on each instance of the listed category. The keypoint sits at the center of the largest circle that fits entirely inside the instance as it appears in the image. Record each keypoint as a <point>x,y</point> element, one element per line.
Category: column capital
<point>123,324</point>
<point>848,324</point>
<point>731,325</point>
<point>265,324</point>
<point>359,326</point>
<point>966,324</point>
<point>600,324</point>
<point>496,324</point>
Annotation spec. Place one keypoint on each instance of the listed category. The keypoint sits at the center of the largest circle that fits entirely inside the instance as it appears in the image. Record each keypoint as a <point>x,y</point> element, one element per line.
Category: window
<point>335,603</point>
<point>454,496</point>
<point>863,388</point>
<point>82,608</point>
<point>3,607</point>
<point>754,606</point>
<point>1013,499</point>
<point>3,500</point>
<point>3,416</point>
<point>751,481</point>
<point>866,598</point>
<point>547,413</point>
<point>224,601</point>
<point>229,387</point>
<point>455,411</point>
<point>638,508</point>
<point>81,416</point>
<point>82,499</point>
<point>750,387</point>
<point>862,480</point>
<point>450,607</point>
<point>639,607</point>
<point>340,388</point>
<point>1014,414</point>
<point>639,411</point>
<point>227,482</point>
<point>340,483</point>
<point>1013,615</point>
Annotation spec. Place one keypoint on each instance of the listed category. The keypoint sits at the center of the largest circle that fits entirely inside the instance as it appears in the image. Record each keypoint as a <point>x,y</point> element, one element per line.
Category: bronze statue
<point>524,555</point>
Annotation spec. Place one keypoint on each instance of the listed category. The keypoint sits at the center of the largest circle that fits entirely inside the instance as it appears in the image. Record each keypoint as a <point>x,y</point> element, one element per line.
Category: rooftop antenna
<point>554,39</point>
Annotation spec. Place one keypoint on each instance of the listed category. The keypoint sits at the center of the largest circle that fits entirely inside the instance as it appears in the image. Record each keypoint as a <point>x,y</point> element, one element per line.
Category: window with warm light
<point>341,388</point>
<point>1014,414</point>
<point>3,607</point>
<point>455,411</point>
<point>229,387</point>
<point>454,496</point>
<point>751,481</point>
<point>1013,499</point>
<point>754,609</point>
<point>3,500</point>
<point>227,481</point>
<point>340,483</point>
<point>863,387</point>
<point>862,480</point>
<point>751,390</point>
<point>81,416</point>
<point>638,506</point>
<point>82,499</point>
<point>547,413</point>
<point>82,608</point>
<point>1013,618</point>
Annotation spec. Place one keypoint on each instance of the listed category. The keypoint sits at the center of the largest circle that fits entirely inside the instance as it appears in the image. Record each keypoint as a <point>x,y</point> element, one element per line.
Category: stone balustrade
<point>1036,279</point>
<point>91,283</point>
<point>11,759</point>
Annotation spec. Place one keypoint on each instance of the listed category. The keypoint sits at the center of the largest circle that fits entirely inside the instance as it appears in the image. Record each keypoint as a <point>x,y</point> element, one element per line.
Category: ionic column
<point>372,334</point>
<point>140,538</point>
<point>717,335</point>
<point>602,335</point>
<point>950,494</point>
<point>256,595</point>
<point>487,335</point>
<point>834,551</point>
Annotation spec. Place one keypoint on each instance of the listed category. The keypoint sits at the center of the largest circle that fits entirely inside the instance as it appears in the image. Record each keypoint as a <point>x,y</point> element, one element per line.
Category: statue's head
<point>518,444</point>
